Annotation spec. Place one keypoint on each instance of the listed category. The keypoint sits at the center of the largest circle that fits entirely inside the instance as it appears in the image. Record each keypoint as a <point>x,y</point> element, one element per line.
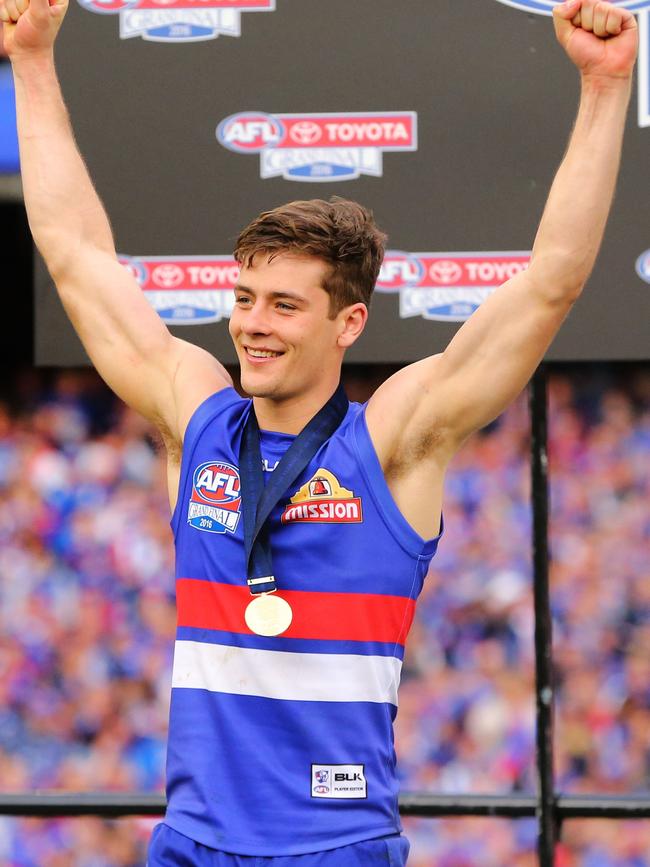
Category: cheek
<point>318,346</point>
<point>233,325</point>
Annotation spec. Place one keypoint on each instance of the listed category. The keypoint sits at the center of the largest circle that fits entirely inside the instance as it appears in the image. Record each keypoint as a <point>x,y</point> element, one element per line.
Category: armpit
<point>411,452</point>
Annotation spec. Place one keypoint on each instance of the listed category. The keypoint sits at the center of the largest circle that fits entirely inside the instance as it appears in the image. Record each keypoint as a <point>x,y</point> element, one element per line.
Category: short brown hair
<point>342,233</point>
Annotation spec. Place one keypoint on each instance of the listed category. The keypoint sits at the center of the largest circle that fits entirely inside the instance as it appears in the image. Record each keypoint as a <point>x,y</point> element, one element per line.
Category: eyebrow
<point>275,295</point>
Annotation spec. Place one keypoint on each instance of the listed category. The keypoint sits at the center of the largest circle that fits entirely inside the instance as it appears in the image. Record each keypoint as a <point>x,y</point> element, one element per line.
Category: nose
<point>255,320</point>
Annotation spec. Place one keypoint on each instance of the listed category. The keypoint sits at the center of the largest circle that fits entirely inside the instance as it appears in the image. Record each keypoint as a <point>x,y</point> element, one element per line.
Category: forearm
<point>576,211</point>
<point>63,208</point>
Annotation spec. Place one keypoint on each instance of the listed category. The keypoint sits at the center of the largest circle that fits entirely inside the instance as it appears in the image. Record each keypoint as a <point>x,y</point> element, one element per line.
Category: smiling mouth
<point>261,353</point>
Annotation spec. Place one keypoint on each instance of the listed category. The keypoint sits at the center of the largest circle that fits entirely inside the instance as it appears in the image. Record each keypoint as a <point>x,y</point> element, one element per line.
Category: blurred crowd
<point>87,621</point>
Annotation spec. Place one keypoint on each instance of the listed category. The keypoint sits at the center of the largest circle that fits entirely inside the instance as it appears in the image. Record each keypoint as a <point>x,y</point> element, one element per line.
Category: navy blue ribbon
<point>259,500</point>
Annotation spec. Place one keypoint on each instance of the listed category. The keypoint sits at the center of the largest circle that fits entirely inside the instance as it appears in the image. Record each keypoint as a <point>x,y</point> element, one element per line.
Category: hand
<point>600,38</point>
<point>29,27</point>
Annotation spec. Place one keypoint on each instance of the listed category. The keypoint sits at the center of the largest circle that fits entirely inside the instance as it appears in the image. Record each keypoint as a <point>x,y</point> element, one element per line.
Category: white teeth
<point>260,353</point>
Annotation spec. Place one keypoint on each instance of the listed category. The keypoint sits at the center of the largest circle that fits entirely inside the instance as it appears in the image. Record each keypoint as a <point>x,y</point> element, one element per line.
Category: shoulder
<point>193,377</point>
<point>221,414</point>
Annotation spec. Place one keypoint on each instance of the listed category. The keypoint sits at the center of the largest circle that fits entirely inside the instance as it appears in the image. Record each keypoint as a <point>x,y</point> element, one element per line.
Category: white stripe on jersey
<point>288,676</point>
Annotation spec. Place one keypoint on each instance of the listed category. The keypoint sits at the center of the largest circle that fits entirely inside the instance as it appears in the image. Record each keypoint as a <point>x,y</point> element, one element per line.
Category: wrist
<point>25,63</point>
<point>600,83</point>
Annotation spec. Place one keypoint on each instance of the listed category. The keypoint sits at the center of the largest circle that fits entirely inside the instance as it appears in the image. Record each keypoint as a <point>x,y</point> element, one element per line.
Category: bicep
<point>128,343</point>
<point>444,398</point>
<point>493,355</point>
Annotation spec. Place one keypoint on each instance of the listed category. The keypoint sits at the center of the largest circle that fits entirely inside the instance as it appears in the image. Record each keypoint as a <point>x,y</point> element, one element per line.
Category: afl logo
<point>545,7</point>
<point>217,484</point>
<point>250,132</point>
<point>399,269</point>
<point>643,266</point>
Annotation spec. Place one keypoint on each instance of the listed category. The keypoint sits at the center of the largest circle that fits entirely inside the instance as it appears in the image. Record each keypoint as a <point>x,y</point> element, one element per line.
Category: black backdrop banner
<point>448,119</point>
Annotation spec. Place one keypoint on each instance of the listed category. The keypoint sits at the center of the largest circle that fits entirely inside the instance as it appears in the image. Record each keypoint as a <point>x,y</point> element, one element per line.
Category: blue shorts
<point>168,848</point>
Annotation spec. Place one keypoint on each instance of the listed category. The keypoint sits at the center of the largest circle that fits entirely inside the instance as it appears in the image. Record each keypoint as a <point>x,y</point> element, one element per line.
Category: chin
<point>256,387</point>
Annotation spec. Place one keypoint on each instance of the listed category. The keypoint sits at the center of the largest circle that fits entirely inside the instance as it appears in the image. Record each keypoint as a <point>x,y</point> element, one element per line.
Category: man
<point>282,703</point>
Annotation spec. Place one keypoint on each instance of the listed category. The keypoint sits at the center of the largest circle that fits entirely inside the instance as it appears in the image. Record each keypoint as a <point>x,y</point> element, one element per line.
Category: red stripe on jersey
<point>324,616</point>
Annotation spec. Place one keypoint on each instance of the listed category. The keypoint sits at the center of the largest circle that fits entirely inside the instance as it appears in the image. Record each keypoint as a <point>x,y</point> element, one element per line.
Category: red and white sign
<point>323,500</point>
<point>192,290</point>
<point>187,290</point>
<point>446,286</point>
<point>178,20</point>
<point>319,147</point>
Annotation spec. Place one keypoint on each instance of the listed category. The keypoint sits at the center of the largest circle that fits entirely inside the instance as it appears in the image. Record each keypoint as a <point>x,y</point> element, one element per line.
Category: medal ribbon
<point>259,500</point>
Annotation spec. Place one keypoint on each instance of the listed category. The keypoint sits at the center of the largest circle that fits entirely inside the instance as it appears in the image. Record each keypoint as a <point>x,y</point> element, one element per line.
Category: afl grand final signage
<point>187,142</point>
<point>642,9</point>
<point>178,20</point>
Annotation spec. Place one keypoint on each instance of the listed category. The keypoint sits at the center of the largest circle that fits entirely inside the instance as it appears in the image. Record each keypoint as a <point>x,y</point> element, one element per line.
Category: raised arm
<point>444,398</point>
<point>160,376</point>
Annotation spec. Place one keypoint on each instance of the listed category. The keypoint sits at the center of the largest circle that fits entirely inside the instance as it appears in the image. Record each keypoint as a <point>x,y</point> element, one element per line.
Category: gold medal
<point>268,614</point>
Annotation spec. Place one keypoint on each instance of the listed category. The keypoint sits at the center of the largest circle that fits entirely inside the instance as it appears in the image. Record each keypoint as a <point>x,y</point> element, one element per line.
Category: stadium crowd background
<point>87,621</point>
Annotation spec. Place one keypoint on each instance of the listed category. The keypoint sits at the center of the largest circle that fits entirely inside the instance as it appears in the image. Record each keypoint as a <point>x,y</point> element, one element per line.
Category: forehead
<point>285,271</point>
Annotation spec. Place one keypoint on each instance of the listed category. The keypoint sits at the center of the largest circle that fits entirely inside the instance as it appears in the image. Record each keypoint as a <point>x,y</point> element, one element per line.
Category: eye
<point>242,300</point>
<point>283,305</point>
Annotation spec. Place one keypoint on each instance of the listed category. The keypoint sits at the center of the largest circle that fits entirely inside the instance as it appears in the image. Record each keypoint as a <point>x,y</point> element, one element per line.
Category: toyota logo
<point>167,276</point>
<point>305,132</point>
<point>445,272</point>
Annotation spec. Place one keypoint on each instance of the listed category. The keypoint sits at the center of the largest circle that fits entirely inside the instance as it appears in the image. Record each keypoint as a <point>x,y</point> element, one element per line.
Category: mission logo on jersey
<point>323,500</point>
<point>216,498</point>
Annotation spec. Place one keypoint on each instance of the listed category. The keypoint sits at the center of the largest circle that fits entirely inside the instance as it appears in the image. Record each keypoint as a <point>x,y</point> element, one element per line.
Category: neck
<point>290,415</point>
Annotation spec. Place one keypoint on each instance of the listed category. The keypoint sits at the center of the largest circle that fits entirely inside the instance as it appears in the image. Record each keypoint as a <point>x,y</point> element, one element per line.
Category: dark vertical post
<point>546,808</point>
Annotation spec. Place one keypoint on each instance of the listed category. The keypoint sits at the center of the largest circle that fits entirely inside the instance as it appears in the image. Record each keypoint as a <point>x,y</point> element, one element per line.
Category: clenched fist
<point>29,27</point>
<point>600,38</point>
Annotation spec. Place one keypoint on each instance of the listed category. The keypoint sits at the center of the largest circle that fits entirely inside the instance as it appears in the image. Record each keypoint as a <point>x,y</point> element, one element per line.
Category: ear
<point>351,322</point>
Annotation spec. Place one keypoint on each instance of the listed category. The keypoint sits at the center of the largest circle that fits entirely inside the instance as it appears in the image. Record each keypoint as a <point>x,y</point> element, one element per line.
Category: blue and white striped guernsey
<point>284,746</point>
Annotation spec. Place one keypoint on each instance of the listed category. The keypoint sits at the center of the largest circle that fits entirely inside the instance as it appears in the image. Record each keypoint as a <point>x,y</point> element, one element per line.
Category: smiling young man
<point>307,273</point>
<point>304,526</point>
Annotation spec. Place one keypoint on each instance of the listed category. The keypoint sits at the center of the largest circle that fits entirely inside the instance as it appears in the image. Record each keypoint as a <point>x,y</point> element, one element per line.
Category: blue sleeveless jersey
<point>284,745</point>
